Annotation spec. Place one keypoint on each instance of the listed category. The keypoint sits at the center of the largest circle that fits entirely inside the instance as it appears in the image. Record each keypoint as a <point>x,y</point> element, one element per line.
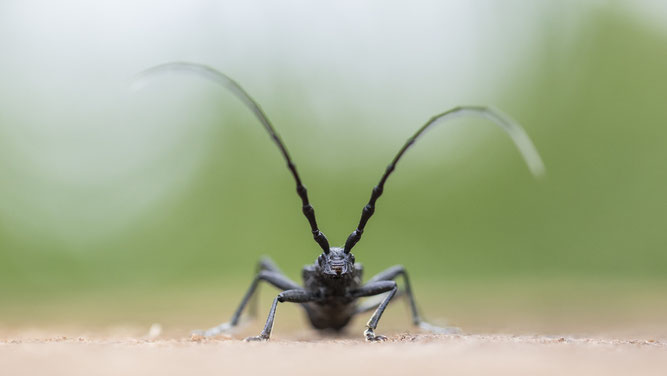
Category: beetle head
<point>336,263</point>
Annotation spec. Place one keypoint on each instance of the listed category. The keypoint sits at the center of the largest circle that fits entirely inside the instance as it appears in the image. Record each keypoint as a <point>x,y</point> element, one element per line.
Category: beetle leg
<point>295,296</point>
<point>372,304</point>
<point>390,275</point>
<point>371,289</point>
<point>264,263</point>
<point>274,278</point>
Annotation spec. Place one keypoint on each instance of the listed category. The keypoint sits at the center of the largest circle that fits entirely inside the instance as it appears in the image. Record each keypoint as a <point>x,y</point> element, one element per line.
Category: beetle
<point>333,285</point>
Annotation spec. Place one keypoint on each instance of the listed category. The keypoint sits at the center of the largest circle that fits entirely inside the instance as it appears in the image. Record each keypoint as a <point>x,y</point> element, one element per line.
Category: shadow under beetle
<point>333,284</point>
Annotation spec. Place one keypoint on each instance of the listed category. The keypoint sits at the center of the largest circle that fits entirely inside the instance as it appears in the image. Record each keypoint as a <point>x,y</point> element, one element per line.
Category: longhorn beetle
<point>333,284</point>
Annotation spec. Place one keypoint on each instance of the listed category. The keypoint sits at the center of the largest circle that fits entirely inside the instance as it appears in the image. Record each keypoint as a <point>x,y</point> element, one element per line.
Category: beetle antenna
<point>237,90</point>
<point>513,129</point>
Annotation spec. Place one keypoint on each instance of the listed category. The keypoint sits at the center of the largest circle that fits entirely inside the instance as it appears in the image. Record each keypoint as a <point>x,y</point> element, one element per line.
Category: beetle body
<point>333,286</point>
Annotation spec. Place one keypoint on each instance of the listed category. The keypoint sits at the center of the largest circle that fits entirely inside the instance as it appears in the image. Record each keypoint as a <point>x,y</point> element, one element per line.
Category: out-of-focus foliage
<point>460,205</point>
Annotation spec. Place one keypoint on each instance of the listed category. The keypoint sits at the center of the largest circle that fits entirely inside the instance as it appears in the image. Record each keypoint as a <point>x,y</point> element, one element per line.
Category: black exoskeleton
<point>333,285</point>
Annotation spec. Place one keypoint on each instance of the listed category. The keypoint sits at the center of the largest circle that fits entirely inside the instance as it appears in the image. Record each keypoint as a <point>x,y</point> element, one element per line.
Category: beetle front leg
<point>393,273</point>
<point>294,296</point>
<point>376,288</point>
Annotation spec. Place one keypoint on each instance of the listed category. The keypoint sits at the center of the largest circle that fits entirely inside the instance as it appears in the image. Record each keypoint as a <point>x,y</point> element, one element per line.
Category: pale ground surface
<point>401,355</point>
<point>605,330</point>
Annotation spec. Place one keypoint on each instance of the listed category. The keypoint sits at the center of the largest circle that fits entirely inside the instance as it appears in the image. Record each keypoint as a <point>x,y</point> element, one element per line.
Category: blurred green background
<point>113,195</point>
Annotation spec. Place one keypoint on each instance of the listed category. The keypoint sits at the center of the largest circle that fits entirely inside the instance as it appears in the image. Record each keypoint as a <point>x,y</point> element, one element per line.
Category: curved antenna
<point>513,129</point>
<point>237,90</point>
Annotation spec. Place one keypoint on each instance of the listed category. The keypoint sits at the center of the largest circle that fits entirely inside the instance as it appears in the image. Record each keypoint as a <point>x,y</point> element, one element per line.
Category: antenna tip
<point>537,169</point>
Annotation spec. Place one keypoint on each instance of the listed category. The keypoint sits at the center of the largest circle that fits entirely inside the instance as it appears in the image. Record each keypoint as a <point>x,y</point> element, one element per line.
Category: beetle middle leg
<point>373,304</point>
<point>273,277</point>
<point>391,274</point>
<point>264,263</point>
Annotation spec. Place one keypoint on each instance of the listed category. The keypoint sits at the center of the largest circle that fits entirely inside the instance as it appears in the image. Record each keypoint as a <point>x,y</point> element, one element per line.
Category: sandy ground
<point>588,333</point>
<point>400,355</point>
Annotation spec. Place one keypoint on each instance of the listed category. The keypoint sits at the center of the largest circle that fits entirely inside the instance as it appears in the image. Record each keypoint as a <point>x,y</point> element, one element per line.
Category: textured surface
<point>425,354</point>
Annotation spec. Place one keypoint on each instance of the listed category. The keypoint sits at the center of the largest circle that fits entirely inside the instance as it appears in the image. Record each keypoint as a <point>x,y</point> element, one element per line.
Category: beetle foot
<point>438,330</point>
<point>259,338</point>
<point>372,337</point>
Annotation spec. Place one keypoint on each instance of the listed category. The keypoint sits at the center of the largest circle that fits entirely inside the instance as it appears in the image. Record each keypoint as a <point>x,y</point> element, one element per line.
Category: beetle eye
<point>320,260</point>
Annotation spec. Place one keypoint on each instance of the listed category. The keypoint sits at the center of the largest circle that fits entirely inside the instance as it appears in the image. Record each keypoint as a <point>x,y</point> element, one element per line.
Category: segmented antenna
<point>513,129</point>
<point>237,90</point>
